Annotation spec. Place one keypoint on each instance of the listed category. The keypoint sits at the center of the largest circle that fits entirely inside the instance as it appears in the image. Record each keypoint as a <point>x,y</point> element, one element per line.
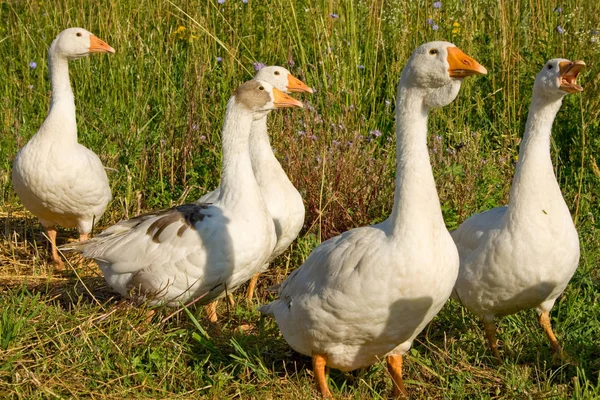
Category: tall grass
<point>153,113</point>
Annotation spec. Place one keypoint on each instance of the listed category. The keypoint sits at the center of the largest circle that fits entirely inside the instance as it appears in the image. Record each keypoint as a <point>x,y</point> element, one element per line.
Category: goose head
<point>558,78</point>
<point>260,97</point>
<point>282,79</point>
<point>437,70</point>
<point>74,43</point>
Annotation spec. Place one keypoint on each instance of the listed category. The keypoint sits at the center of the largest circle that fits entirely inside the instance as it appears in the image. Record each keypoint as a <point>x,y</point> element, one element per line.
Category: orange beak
<point>282,100</point>
<point>568,75</point>
<point>461,65</point>
<point>99,46</point>
<point>296,85</point>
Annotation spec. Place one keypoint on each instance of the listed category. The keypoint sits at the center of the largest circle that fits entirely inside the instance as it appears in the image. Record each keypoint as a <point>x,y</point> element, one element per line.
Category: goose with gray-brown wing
<point>282,199</point>
<point>198,250</point>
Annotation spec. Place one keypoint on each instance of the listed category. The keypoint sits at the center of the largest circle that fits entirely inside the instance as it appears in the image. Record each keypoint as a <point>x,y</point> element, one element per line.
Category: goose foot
<point>211,311</point>
<point>251,287</point>
<point>319,363</point>
<point>556,347</point>
<point>490,330</point>
<point>56,260</point>
<point>394,366</point>
<point>231,300</point>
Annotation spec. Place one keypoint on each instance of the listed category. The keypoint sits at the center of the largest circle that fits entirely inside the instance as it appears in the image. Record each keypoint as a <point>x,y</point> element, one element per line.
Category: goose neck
<point>534,176</point>
<point>237,179</point>
<point>59,79</point>
<point>264,163</point>
<point>60,125</point>
<point>416,202</point>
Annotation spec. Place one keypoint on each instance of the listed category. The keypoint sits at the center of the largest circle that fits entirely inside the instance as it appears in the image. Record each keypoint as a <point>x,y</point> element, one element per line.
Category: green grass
<point>153,113</point>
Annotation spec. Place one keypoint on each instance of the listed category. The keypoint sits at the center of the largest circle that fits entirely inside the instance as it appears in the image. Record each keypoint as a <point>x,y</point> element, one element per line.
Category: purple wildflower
<point>32,65</point>
<point>219,59</point>
<point>245,1</point>
<point>375,133</point>
<point>360,66</point>
<point>30,87</point>
<point>560,30</point>
<point>387,102</point>
<point>221,1</point>
<point>301,133</point>
<point>334,15</point>
<point>312,137</point>
<point>194,127</point>
<point>437,4</point>
<point>258,66</point>
<point>202,137</point>
<point>430,21</point>
<point>558,10</point>
<point>435,27</point>
<point>335,142</point>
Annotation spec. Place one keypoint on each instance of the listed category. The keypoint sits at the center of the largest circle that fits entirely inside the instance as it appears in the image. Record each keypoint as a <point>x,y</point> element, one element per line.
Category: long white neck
<point>534,184</point>
<point>238,184</point>
<point>61,121</point>
<point>267,169</point>
<point>416,202</point>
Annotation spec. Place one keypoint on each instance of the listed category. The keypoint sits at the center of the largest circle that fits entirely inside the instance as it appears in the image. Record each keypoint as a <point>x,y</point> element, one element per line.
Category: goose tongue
<point>568,75</point>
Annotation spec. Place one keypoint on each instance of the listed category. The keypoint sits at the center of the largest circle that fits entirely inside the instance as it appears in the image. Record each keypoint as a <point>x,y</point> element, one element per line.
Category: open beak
<point>99,46</point>
<point>296,85</point>
<point>461,65</point>
<point>282,100</point>
<point>568,75</point>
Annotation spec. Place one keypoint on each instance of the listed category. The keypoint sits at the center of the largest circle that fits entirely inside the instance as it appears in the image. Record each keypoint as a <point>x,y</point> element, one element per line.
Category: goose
<point>368,292</point>
<point>523,255</point>
<point>282,199</point>
<point>198,251</point>
<point>59,180</point>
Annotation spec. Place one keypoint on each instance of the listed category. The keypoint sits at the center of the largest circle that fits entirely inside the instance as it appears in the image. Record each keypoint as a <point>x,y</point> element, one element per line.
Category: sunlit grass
<point>153,113</point>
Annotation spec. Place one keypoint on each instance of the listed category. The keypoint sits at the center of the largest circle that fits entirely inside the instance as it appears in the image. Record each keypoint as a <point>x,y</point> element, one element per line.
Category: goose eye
<point>276,72</point>
<point>78,34</point>
<point>549,66</point>
<point>261,88</point>
<point>433,52</point>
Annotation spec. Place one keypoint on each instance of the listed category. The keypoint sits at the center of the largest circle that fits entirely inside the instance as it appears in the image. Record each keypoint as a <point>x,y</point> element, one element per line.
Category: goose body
<point>60,181</point>
<point>198,250</point>
<point>523,255</point>
<point>282,199</point>
<point>369,292</point>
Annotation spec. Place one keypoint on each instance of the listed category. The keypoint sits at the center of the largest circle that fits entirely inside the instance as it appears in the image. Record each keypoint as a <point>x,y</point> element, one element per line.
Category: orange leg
<point>60,265</point>
<point>251,287</point>
<point>490,331</point>
<point>547,326</point>
<point>319,363</point>
<point>231,300</point>
<point>211,311</point>
<point>83,237</point>
<point>394,365</point>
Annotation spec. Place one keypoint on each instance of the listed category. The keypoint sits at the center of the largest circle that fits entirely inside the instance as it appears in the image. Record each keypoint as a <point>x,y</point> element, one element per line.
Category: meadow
<point>153,113</point>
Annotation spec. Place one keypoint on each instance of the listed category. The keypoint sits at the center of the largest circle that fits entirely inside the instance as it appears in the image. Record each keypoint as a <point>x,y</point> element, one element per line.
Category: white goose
<point>60,181</point>
<point>198,250</point>
<point>283,200</point>
<point>522,256</point>
<point>371,290</point>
